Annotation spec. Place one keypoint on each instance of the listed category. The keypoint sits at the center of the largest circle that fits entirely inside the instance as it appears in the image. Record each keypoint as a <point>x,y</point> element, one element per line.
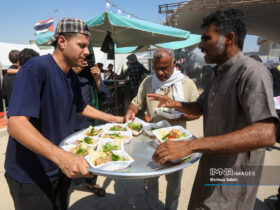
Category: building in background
<point>268,47</point>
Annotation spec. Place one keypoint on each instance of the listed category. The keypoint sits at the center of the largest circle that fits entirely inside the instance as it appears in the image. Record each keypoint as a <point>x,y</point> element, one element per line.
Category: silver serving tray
<point>141,149</point>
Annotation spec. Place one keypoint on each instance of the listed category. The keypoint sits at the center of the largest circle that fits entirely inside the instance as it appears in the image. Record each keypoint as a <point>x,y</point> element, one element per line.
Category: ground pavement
<point>128,194</point>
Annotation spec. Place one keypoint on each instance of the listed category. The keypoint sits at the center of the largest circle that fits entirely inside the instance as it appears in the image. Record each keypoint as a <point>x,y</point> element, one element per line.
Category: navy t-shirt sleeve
<point>25,99</point>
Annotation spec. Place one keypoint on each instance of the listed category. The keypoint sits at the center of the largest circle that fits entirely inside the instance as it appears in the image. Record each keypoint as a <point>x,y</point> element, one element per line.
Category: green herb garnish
<point>88,140</point>
<point>117,128</point>
<point>115,157</point>
<point>94,132</point>
<point>109,147</point>
<point>135,126</point>
<point>115,135</point>
<point>81,151</point>
<point>165,137</point>
<point>187,159</point>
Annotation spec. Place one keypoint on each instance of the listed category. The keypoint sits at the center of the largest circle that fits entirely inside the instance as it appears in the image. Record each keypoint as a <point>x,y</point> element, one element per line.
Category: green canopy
<point>193,39</point>
<point>126,31</point>
<point>131,31</point>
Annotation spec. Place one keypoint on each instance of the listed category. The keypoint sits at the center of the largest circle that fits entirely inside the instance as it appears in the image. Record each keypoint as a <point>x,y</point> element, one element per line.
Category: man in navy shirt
<point>45,99</point>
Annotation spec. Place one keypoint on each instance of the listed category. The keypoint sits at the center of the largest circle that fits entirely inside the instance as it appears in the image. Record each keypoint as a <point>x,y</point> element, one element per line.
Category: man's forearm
<point>98,83</point>
<point>12,71</point>
<point>192,108</point>
<point>258,135</point>
<point>93,113</point>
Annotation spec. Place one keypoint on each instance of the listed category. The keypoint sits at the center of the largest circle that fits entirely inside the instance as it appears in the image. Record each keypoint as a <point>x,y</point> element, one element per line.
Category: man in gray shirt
<point>239,119</point>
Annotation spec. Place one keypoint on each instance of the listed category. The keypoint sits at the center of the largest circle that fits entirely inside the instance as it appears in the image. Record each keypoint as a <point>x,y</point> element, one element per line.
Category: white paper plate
<point>72,139</point>
<point>136,120</point>
<point>168,113</point>
<point>114,165</point>
<point>158,132</point>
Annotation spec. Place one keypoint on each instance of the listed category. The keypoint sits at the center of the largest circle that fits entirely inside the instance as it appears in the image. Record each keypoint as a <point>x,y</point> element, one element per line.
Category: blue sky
<point>18,17</point>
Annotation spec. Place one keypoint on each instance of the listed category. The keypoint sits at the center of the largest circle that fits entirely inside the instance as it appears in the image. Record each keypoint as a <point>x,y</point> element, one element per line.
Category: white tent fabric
<point>6,47</point>
<point>100,57</point>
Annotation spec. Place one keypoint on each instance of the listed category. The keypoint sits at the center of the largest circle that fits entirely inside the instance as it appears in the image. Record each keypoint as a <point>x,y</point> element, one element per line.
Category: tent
<point>7,47</point>
<point>193,40</point>
<point>131,31</point>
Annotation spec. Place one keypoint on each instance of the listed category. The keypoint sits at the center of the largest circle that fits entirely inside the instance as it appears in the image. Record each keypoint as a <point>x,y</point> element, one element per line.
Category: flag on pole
<point>44,26</point>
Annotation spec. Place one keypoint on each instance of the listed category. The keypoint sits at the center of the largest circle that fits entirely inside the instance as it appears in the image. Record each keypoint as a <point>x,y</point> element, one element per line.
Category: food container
<point>96,132</point>
<point>115,127</point>
<point>81,138</point>
<point>81,149</point>
<point>126,136</point>
<point>168,113</point>
<point>113,165</point>
<point>117,142</point>
<point>161,133</point>
<point>136,122</point>
<point>148,129</point>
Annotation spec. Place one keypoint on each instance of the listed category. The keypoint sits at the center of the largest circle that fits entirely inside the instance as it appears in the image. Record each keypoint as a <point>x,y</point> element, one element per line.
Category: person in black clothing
<point>112,74</point>
<point>136,73</point>
<point>17,58</point>
<point>100,66</point>
<point>9,78</point>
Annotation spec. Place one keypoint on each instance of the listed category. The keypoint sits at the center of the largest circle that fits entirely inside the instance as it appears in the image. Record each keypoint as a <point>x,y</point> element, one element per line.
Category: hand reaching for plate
<point>164,101</point>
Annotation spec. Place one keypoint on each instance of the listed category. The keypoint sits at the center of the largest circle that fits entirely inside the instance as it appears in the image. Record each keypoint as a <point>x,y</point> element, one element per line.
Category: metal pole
<point>115,87</point>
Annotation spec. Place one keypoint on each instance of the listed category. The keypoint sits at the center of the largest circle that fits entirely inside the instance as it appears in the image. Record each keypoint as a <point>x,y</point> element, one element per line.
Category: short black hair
<point>13,56</point>
<point>100,65</point>
<point>228,20</point>
<point>26,54</point>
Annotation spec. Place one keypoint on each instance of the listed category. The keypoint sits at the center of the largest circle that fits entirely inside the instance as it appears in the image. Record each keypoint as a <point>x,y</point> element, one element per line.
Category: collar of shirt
<point>220,70</point>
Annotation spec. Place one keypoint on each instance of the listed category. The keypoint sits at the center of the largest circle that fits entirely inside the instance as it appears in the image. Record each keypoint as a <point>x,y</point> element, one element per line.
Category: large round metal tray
<point>141,149</point>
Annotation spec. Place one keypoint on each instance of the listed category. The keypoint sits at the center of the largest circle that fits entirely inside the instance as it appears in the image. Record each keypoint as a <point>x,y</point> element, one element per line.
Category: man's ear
<point>174,61</point>
<point>61,42</point>
<point>230,39</point>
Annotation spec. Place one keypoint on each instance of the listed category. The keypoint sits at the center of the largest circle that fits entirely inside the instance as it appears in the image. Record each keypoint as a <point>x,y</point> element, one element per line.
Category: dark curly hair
<point>228,20</point>
<point>26,54</point>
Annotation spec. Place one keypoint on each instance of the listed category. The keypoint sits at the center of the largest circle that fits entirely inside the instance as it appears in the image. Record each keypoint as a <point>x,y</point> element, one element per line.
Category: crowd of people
<point>52,96</point>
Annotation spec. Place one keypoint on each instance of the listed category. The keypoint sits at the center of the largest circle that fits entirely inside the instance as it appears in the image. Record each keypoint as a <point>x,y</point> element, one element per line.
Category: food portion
<point>135,126</point>
<point>106,154</point>
<point>117,128</point>
<point>93,131</point>
<point>81,149</point>
<point>88,140</point>
<point>109,147</point>
<point>174,133</point>
<point>115,135</point>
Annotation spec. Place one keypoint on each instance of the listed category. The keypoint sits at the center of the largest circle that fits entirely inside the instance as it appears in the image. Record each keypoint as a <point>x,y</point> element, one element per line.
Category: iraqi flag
<point>44,26</point>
